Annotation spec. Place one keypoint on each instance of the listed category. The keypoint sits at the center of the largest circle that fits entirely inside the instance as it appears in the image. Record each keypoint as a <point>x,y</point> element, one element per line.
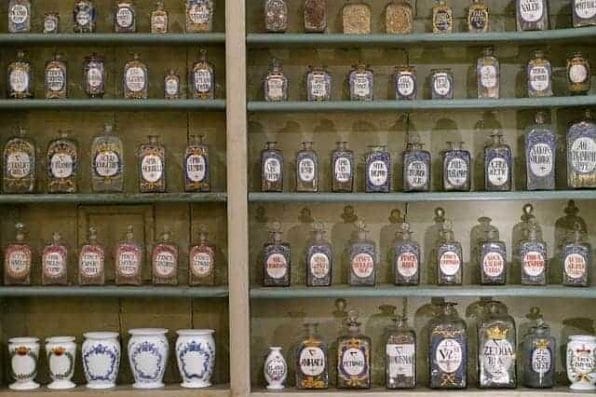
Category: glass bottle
<point>54,262</point>
<point>353,356</point>
<point>378,170</point>
<point>400,355</point>
<point>92,261</point>
<point>493,260</point>
<point>199,16</point>
<point>20,78</point>
<point>497,164</point>
<point>107,166</point>
<point>152,166</point>
<point>159,18</point>
<point>581,153</point>
<point>84,16</point>
<point>447,351</point>
<point>576,257</point>
<point>531,15</point>
<point>56,78</point>
<point>197,167</point>
<point>318,84</point>
<point>488,75</point>
<point>63,164</point>
<point>533,257</point>
<point>272,166</point>
<point>125,17</point>
<point>356,17</point>
<point>441,84</point>
<point>541,150</point>
<point>51,23</point>
<point>478,17</point>
<point>579,77</point>
<point>171,85</point>
<point>136,79</point>
<point>94,76</point>
<point>539,75</point>
<point>19,16</point>
<point>275,84</point>
<point>276,16</point>
<point>18,259</point>
<point>456,168</point>
<point>539,349</point>
<point>565,225</point>
<point>312,364</point>
<point>442,17</point>
<point>128,260</point>
<point>363,258</point>
<point>497,348</point>
<point>361,81</point>
<point>315,16</point>
<point>342,167</point>
<point>276,259</point>
<point>164,261</point>
<point>449,258</point>
<point>404,81</point>
<point>406,257</point>
<point>202,260</point>
<point>202,78</point>
<point>584,13</point>
<point>399,17</point>
<point>319,259</point>
<point>19,164</point>
<point>307,169</point>
<point>416,166</point>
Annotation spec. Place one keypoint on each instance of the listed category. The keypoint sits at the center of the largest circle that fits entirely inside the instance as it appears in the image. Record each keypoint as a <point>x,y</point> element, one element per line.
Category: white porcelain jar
<point>275,369</point>
<point>101,359</point>
<point>61,352</point>
<point>148,355</point>
<point>581,363</point>
<point>23,353</point>
<point>195,354</point>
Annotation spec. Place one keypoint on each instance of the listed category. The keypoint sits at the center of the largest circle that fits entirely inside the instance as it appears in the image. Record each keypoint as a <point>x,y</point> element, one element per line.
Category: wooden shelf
<point>112,198</point>
<point>111,39</point>
<point>112,104</point>
<point>115,291</point>
<point>422,392</point>
<point>125,391</point>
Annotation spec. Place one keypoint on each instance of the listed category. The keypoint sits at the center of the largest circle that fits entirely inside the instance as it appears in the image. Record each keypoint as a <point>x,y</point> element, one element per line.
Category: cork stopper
<point>64,134</point>
<point>494,307</point>
<point>376,148</point>
<point>20,131</point>
<point>588,114</point>
<point>135,56</point>
<point>311,328</point>
<point>388,309</point>
<point>340,307</point>
<point>92,234</point>
<point>400,321</point>
<point>485,221</point>
<point>172,72</point>
<point>159,5</point>
<point>20,228</point>
<point>360,66</point>
<point>275,65</point>
<point>58,57</point>
<point>540,117</point>
<point>395,216</point>
<point>414,141</point>
<point>449,308</point>
<point>349,215</point>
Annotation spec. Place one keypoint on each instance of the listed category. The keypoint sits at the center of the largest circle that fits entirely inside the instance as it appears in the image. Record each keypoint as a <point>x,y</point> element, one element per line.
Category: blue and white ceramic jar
<point>148,355</point>
<point>101,359</point>
<point>195,354</point>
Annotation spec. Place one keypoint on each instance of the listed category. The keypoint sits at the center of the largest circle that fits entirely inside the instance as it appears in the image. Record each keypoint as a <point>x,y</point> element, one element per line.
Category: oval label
<point>539,78</point>
<point>417,174</point>
<point>378,173</point>
<point>583,155</point>
<point>457,172</point>
<point>531,10</point>
<point>312,361</point>
<point>18,164</point>
<point>61,165</point>
<point>272,169</point>
<point>363,265</point>
<point>151,168</point>
<point>343,169</point>
<point>540,157</point>
<point>449,263</point>
<point>533,263</point>
<point>306,170</point>
<point>575,266</point>
<point>407,264</point>
<point>276,266</point>
<point>196,167</point>
<point>498,171</point>
<point>319,265</point>
<point>135,79</point>
<point>353,362</point>
<point>493,264</point>
<point>449,355</point>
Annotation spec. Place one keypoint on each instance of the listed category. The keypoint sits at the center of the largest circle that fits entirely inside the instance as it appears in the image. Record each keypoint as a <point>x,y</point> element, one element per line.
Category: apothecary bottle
<point>363,258</point>
<point>579,77</point>
<point>152,166</point>
<point>159,18</point>
<point>272,166</point>
<point>315,16</point>
<point>576,257</point>
<point>125,17</point>
<point>84,16</point>
<point>449,258</point>
<point>342,169</point>
<point>378,170</point>
<point>533,256</point>
<point>441,84</point>
<point>92,260</point>
<point>136,79</point>
<point>128,260</point>
<point>20,78</point>
<point>164,261</point>
<point>497,348</point>
<point>539,76</point>
<point>202,260</point>
<point>275,84</point>
<point>19,16</point>
<point>54,262</point>
<point>94,76</point>
<point>19,164</point>
<point>356,17</point>
<point>197,166</point>
<point>307,169</point>
<point>531,15</point>
<point>318,84</point>
<point>448,353</point>
<point>406,257</point>
<point>107,166</point>
<point>493,260</point>
<point>199,16</point>
<point>18,256</point>
<point>276,16</point>
<point>171,85</point>
<point>400,355</point>
<point>539,352</point>
<point>416,166</point>
<point>202,78</point>
<point>478,17</point>
<point>488,75</point>
<point>353,356</point>
<point>312,364</point>
<point>319,259</point>
<point>361,81</point>
<point>276,259</point>
<point>56,78</point>
<point>404,82</point>
<point>442,17</point>
<point>584,13</point>
<point>457,167</point>
<point>581,153</point>
<point>399,17</point>
<point>497,164</point>
<point>63,164</point>
<point>541,150</point>
<point>51,23</point>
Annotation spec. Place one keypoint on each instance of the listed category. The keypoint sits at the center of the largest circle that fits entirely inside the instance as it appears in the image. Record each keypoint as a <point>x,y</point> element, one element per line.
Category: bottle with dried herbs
<point>125,17</point>
<point>272,166</point>
<point>581,153</point>
<point>19,164</point>
<point>55,78</point>
<point>318,84</point>
<point>361,82</point>
<point>18,257</point>
<point>441,81</point>
<point>315,16</point>
<point>442,17</point>
<point>457,167</point>
<point>171,85</point>
<point>197,167</point>
<point>319,259</point>
<point>539,349</point>
<point>378,170</point>
<point>92,261</point>
<point>128,260</point>
<point>63,164</point>
<point>478,17</point>
<point>406,257</point>
<point>541,150</point>
<point>307,169</point>
<point>533,256</point>
<point>497,164</point>
<point>164,261</point>
<point>312,364</point>
<point>449,258</point>
<point>399,17</point>
<point>404,81</point>
<point>152,166</point>
<point>159,18</point>
<point>539,76</point>
<point>355,17</point>
<point>276,259</point>
<point>342,169</point>
<point>531,15</point>
<point>201,260</point>
<point>493,260</point>
<point>51,23</point>
<point>416,166</point>
<point>400,355</point>
<point>488,75</point>
<point>276,16</point>
<point>576,257</point>
<point>202,78</point>
<point>19,16</point>
<point>107,165</point>
<point>54,262</point>
<point>20,78</point>
<point>136,79</point>
<point>363,258</point>
<point>94,76</point>
<point>584,13</point>
<point>579,77</point>
<point>353,356</point>
<point>199,16</point>
<point>84,16</point>
<point>275,83</point>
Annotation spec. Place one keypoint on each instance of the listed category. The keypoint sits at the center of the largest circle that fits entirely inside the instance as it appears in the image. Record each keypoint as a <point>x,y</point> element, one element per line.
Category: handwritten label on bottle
<point>441,84</point>
<point>201,263</point>
<point>541,359</point>
<point>405,85</point>
<point>19,80</point>
<point>449,355</point>
<point>407,264</point>
<point>91,261</point>
<point>319,265</point>
<point>417,173</point>
<point>306,170</point>
<point>539,78</point>
<point>135,79</point>
<point>531,10</point>
<point>312,361</point>
<point>342,169</point>
<point>449,263</point>
<point>378,173</point>
<point>488,76</point>
<point>585,9</point>
<point>61,165</point>
<point>363,265</point>
<point>128,259</point>
<point>18,164</point>
<point>55,79</point>
<point>583,155</point>
<point>540,157</point>
<point>400,359</point>
<point>575,266</point>
<point>457,172</point>
<point>498,171</point>
<point>272,170</point>
<point>151,168</point>
<point>276,266</point>
<point>196,167</point>
<point>493,264</point>
<point>533,263</point>
<point>353,362</point>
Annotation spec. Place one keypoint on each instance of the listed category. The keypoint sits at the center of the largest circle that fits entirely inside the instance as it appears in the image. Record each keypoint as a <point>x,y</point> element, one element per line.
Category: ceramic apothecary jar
<point>195,354</point>
<point>23,353</point>
<point>581,366</point>
<point>101,359</point>
<point>61,353</point>
<point>275,369</point>
<point>148,355</point>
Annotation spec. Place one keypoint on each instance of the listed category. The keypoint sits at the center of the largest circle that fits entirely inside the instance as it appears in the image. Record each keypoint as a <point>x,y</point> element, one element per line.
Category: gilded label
<point>202,79</point>
<point>18,164</point>
<point>107,163</point>
<point>125,17</point>
<point>541,360</point>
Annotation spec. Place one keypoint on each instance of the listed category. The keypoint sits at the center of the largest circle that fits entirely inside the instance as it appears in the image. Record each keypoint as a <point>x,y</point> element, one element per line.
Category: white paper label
<point>405,85</point>
<point>583,155</point>
<point>449,263</point>
<point>201,263</point>
<point>55,79</point>
<point>272,170</point>
<point>128,261</point>
<point>164,263</point>
<point>531,10</point>
<point>83,18</point>
<point>19,80</point>
<point>541,159</point>
<point>498,357</point>
<point>417,174</point>
<point>202,80</point>
<point>400,359</point>
<point>18,261</point>
<point>541,360</point>
<point>135,79</point>
<point>449,355</point>
<point>353,362</point>
<point>124,17</point>
<point>457,172</point>
<point>319,265</point>
<point>18,164</point>
<point>53,264</point>
<point>343,169</point>
<point>441,84</point>
<point>199,13</point>
<point>172,86</point>
<point>575,266</point>
<point>18,14</point>
<point>585,9</point>
<point>276,266</point>
<point>498,171</point>
<point>488,76</point>
<point>407,264</point>
<point>306,170</point>
<point>94,77</point>
<point>539,78</point>
<point>318,86</point>
<point>196,167</point>
<point>91,263</point>
<point>361,85</point>
<point>275,88</point>
<point>493,264</point>
<point>533,263</point>
<point>378,173</point>
<point>312,361</point>
<point>363,265</point>
<point>50,24</point>
<point>61,165</point>
<point>578,73</point>
<point>107,163</point>
<point>151,168</point>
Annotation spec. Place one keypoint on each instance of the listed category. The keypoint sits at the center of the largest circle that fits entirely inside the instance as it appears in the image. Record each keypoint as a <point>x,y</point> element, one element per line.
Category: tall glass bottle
<point>92,261</point>
<point>312,363</point>
<point>531,15</point>
<point>442,17</point>
<point>353,356</point>
<point>56,78</point>
<point>493,260</point>
<point>136,79</point>
<point>361,82</point>
<point>315,16</point>
<point>197,167</point>
<point>84,16</point>
<point>63,164</point>
<point>356,17</point>
<point>94,76</point>
<point>159,18</point>
<point>478,17</point>
<point>378,170</point>
<point>275,84</point>
<point>272,166</point>
<point>581,153</point>
<point>201,260</point>
<point>497,164</point>
<point>399,17</point>
<point>107,163</point>
<point>128,260</point>
<point>202,78</point>
<point>579,77</point>
<point>488,75</point>
<point>584,13</point>
<point>363,258</point>
<point>406,258</point>
<point>400,355</point>
<point>18,256</point>
<point>19,164</point>
<point>318,84</point>
<point>457,168</point>
<point>20,78</point>
<point>541,149</point>
<point>164,261</point>
<point>19,16</point>
<point>342,169</point>
<point>199,16</point>
<point>277,259</point>
<point>276,16</point>
<point>125,17</point>
<point>319,259</point>
<point>539,75</point>
<point>449,258</point>
<point>539,350</point>
<point>576,257</point>
<point>533,257</point>
<point>307,169</point>
<point>416,166</point>
<point>152,166</point>
<point>54,262</point>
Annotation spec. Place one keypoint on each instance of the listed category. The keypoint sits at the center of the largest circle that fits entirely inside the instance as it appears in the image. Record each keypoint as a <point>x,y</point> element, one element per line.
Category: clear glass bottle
<point>275,83</point>
<point>63,164</point>
<point>18,258</point>
<point>276,16</point>
<point>581,153</point>
<point>447,353</point>
<point>399,17</point>
<point>541,150</point>
<point>531,15</point>
<point>353,356</point>
<point>539,75</point>
<point>457,167</point>
<point>197,166</point>
<point>356,17</point>
<point>539,349</point>
<point>152,166</point>
<point>416,166</point>
<point>441,84</point>
<point>136,79</point>
<point>450,259</point>
<point>312,364</point>
<point>272,166</point>
<point>171,85</point>
<point>319,259</point>
<point>307,169</point>
<point>164,261</point>
<point>497,164</point>
<point>92,261</point>
<point>277,259</point>
<point>56,78</point>
<point>533,257</point>
<point>342,168</point>
<point>128,260</point>
<point>488,75</point>
<point>400,355</point>
<point>159,18</point>
<point>363,258</point>
<point>442,17</point>
<point>318,84</point>
<point>565,225</point>
<point>51,23</point>
<point>361,82</point>
<point>579,77</point>
<point>493,260</point>
<point>584,13</point>
<point>19,164</point>
<point>202,78</point>
<point>404,81</point>
<point>478,17</point>
<point>199,16</point>
<point>406,257</point>
<point>315,16</point>
<point>202,260</point>
<point>84,16</point>
<point>94,76</point>
<point>378,170</point>
<point>125,17</point>
<point>107,166</point>
<point>576,257</point>
<point>19,16</point>
<point>54,262</point>
<point>20,78</point>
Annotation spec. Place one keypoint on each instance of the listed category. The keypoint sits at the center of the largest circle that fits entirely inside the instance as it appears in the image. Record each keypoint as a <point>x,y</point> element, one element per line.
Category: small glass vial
<point>94,76</point>
<point>20,78</point>
<point>19,16</point>
<point>319,259</point>
<point>272,166</point>
<point>318,84</point>
<point>307,169</point>
<point>275,84</point>
<point>84,16</point>
<point>441,84</point>
<point>51,23</point>
<point>107,166</point>
<point>171,85</point>
<point>276,259</point>
<point>276,16</point>
<point>355,17</point>
<point>532,253</point>
<point>539,355</point>
<point>125,18</point>
<point>478,17</point>
<point>342,168</point>
<point>56,78</point>
<point>457,167</point>
<point>315,16</point>
<point>531,15</point>
<point>201,260</point>
<point>19,164</point>
<point>353,356</point>
<point>493,260</point>
<point>363,258</point>
<point>449,258</point>
<point>581,153</point>
<point>152,166</point>
<point>541,150</point>
<point>539,76</point>
<point>400,355</point>
<point>18,257</point>
<point>159,18</point>
<point>164,261</point>
<point>199,16</point>
<point>584,13</point>
<point>312,364</point>
<point>92,261</point>
<point>416,166</point>
<point>136,79</point>
<point>576,257</point>
<point>406,258</point>
<point>202,78</point>
<point>63,164</point>
<point>488,75</point>
<point>579,77</point>
<point>399,17</point>
<point>128,260</point>
<point>54,262</point>
<point>197,167</point>
<point>361,81</point>
<point>497,164</point>
<point>404,81</point>
<point>442,17</point>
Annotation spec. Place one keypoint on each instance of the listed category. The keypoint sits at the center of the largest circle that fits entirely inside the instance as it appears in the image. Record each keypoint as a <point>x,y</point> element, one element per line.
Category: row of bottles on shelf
<point>449,343</point>
<point>361,81</point>
<point>63,164</point>
<point>540,159</point>
<point>135,79</point>
<point>398,16</point>
<point>128,260</point>
<point>199,17</point>
<point>446,263</point>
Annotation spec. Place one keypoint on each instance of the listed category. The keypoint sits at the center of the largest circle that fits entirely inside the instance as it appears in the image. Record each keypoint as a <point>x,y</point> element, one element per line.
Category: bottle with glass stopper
<point>19,163</point>
<point>319,259</point>
<point>416,166</point>
<point>272,165</point>
<point>493,260</point>
<point>128,260</point>
<point>18,257</point>
<point>202,260</point>
<point>275,83</point>
<point>342,168</point>
<point>497,164</point>
<point>457,167</point>
<point>539,355</point>
<point>576,257</point>
<point>307,168</point>
<point>533,257</point>
<point>449,258</point>
<point>541,150</point>
<point>164,261</point>
<point>353,356</point>
<point>363,258</point>
<point>581,153</point>
<point>54,262</point>
<point>276,259</point>
<point>92,260</point>
<point>400,355</point>
<point>312,364</point>
<point>406,258</point>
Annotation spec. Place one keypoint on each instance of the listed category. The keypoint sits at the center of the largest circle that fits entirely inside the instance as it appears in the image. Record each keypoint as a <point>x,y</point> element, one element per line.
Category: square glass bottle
<point>361,82</point>
<point>275,83</point>
<point>406,258</point>
<point>18,257</point>
<point>202,260</point>
<point>136,79</point>
<point>318,84</point>
<point>107,165</point>
<point>202,78</point>
<point>378,170</point>
<point>581,153</point>
<point>56,78</point>
<point>493,260</point>
<point>164,261</point>
<point>307,169</point>
<point>276,259</point>
<point>63,164</point>
<point>272,166</point>
<point>54,262</point>
<point>92,261</point>
<point>276,16</point>
<point>342,169</point>
<point>531,15</point>
<point>533,256</point>
<point>19,164</point>
<point>197,166</point>
<point>584,13</point>
<point>416,166</point>
<point>19,82</point>
<point>128,260</point>
<point>497,164</point>
<point>159,18</point>
<point>152,166</point>
<point>353,356</point>
<point>199,16</point>
<point>19,16</point>
<point>539,76</point>
<point>400,355</point>
<point>441,84</point>
<point>449,258</point>
<point>541,151</point>
<point>576,257</point>
<point>312,363</point>
<point>125,17</point>
<point>478,17</point>
<point>488,75</point>
<point>442,17</point>
<point>457,167</point>
<point>319,259</point>
<point>579,76</point>
<point>404,81</point>
<point>84,16</point>
<point>363,258</point>
<point>399,17</point>
<point>315,16</point>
